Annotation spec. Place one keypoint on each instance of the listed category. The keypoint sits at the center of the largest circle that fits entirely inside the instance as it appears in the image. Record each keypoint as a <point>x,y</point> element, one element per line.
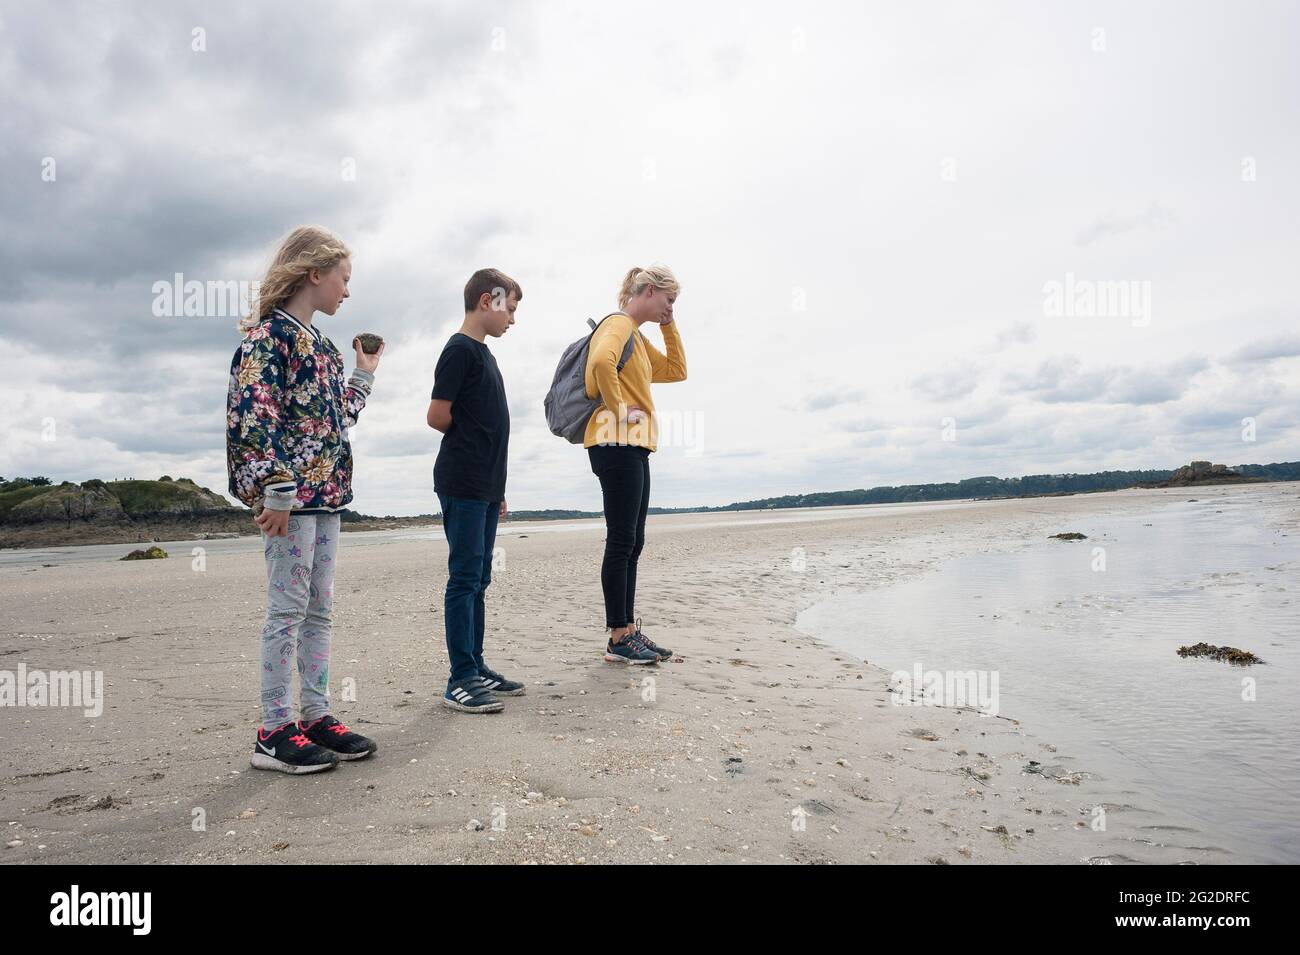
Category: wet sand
<point>1083,637</point>
<point>757,743</point>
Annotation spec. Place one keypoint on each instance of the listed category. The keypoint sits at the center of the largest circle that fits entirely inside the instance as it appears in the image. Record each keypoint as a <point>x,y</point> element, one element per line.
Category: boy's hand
<point>273,523</point>
<point>368,362</point>
<point>501,515</point>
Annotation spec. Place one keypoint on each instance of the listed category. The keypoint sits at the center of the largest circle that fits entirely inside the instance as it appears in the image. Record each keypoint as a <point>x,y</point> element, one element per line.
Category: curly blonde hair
<point>306,248</point>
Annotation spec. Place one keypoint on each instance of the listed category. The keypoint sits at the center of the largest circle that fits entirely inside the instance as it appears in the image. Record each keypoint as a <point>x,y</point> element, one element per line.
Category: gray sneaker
<point>662,652</point>
<point>630,650</point>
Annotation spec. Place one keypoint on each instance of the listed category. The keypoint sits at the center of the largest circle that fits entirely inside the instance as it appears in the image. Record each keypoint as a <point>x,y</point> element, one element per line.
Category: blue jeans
<point>471,531</point>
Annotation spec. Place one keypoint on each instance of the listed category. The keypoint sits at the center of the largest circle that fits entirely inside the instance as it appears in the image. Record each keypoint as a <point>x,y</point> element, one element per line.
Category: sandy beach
<point>757,743</point>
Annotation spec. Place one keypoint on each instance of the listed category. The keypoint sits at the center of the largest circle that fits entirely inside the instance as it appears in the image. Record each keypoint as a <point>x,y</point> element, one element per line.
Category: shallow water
<point>1086,656</point>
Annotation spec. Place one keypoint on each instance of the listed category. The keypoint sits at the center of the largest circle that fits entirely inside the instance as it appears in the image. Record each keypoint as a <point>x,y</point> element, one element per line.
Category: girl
<point>287,451</point>
<point>619,438</point>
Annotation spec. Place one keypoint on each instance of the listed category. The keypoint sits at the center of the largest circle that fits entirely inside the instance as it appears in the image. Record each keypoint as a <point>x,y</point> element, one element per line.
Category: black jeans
<point>624,473</point>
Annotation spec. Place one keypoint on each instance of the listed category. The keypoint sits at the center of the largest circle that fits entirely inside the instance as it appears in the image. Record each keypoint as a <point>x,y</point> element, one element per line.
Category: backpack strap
<point>627,348</point>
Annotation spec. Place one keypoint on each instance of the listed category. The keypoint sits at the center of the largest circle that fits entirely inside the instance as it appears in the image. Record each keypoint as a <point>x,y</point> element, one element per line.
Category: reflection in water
<point>1083,637</point>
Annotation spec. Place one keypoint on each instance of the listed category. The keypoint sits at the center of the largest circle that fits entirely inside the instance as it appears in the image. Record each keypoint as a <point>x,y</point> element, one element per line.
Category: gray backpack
<point>567,404</point>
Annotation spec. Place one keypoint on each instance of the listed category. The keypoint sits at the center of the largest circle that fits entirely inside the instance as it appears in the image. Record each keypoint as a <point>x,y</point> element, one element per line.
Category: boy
<point>468,406</point>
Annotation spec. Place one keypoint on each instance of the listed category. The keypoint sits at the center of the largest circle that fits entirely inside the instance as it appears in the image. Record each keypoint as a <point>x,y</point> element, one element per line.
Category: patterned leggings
<point>299,596</point>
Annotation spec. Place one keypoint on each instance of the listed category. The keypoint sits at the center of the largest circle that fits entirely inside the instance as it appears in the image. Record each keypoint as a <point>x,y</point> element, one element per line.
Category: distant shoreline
<point>209,523</point>
<point>228,530</point>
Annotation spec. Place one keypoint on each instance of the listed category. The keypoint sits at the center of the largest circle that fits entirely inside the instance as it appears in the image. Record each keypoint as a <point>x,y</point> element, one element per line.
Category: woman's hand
<point>501,514</point>
<point>273,523</point>
<point>635,415</point>
<point>368,362</point>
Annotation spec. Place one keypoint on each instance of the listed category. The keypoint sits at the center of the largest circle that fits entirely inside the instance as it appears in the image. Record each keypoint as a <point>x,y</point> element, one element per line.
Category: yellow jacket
<point>621,391</point>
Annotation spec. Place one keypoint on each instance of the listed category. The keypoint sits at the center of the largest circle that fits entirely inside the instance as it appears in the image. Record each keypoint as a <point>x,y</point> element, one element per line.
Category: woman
<point>620,436</point>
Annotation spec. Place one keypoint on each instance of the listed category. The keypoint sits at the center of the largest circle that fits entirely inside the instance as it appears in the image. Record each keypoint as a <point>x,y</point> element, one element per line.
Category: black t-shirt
<point>472,459</point>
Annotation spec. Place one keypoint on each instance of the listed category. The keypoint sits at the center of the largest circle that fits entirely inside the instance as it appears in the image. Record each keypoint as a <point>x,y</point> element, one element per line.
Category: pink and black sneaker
<point>288,750</point>
<point>329,733</point>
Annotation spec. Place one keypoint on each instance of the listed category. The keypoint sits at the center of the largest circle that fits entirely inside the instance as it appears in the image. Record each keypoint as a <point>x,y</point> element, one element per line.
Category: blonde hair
<point>636,280</point>
<point>305,248</point>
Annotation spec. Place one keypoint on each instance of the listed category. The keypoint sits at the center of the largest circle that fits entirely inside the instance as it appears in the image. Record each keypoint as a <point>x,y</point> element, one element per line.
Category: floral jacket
<point>287,417</point>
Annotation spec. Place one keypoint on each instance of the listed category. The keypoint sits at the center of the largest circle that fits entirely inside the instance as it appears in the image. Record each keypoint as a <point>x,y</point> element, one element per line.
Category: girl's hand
<point>368,362</point>
<point>273,523</point>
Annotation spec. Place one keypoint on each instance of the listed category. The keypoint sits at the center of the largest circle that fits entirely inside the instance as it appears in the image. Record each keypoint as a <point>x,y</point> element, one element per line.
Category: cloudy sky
<point>916,244</point>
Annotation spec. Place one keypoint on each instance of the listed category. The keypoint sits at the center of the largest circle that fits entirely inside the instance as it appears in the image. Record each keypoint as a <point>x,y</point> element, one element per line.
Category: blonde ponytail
<point>636,280</point>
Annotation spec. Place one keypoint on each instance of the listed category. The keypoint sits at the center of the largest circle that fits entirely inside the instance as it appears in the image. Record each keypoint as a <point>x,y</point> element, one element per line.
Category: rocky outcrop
<point>66,503</point>
<point>166,499</point>
<point>1203,472</point>
<point>36,514</point>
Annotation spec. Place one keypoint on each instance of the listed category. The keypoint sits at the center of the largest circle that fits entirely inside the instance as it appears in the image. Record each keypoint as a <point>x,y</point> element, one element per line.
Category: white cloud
<point>1155,216</point>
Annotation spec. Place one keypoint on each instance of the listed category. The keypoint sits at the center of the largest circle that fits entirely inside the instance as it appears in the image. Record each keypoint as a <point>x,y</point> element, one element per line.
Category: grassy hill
<point>9,499</point>
<point>35,511</point>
